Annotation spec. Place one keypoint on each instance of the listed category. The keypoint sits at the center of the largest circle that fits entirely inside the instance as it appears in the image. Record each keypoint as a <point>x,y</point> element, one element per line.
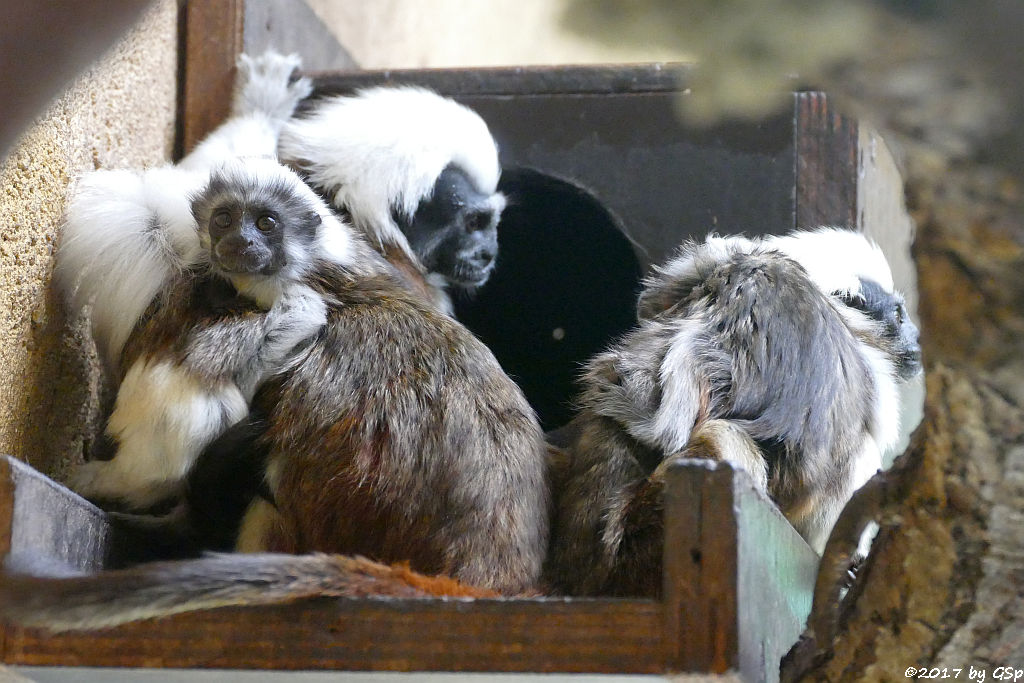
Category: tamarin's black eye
<point>266,223</point>
<point>222,219</point>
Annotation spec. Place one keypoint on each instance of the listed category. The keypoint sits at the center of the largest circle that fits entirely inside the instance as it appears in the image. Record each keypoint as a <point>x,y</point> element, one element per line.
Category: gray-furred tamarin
<point>416,173</point>
<point>133,242</point>
<point>781,354</point>
<point>393,434</point>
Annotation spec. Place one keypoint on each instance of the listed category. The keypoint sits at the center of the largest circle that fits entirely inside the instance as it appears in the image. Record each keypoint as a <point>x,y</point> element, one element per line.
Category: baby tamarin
<point>134,242</point>
<point>781,354</point>
<point>218,332</point>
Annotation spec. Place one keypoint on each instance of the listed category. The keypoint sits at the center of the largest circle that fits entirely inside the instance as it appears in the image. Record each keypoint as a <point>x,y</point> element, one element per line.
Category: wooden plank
<point>737,588</point>
<point>602,636</point>
<point>775,585</point>
<point>8,487</point>
<point>46,522</point>
<point>738,578</point>
<point>527,81</point>
<point>701,568</point>
<point>212,40</point>
<point>826,164</point>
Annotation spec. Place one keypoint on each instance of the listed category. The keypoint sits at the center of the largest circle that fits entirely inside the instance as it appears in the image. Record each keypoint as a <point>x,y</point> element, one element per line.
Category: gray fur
<point>735,333</point>
<point>194,362</point>
<point>68,602</point>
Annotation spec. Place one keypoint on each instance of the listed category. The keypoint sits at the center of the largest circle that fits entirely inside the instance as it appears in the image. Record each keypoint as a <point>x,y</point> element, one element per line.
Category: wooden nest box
<point>604,181</point>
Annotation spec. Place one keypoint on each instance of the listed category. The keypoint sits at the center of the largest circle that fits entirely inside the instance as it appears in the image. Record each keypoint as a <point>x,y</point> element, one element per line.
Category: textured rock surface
<point>119,113</point>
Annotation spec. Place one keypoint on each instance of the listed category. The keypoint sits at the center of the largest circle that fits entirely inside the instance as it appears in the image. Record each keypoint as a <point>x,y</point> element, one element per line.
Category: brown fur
<point>398,437</point>
<point>409,271</point>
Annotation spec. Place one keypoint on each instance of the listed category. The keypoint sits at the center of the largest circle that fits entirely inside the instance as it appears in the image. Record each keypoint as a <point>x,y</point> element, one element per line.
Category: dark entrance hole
<point>565,286</point>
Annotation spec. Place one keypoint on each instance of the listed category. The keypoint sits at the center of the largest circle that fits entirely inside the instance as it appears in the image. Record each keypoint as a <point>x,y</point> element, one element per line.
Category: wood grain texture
<point>374,634</point>
<point>773,593</point>
<point>737,576</point>
<point>213,39</point>
<point>700,567</point>
<point>826,164</point>
<point>607,79</point>
<point>41,518</point>
<point>45,522</point>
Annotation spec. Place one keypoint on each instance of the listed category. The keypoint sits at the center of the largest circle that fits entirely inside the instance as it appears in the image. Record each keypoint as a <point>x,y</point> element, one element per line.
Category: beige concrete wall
<point>441,33</point>
<point>119,113</point>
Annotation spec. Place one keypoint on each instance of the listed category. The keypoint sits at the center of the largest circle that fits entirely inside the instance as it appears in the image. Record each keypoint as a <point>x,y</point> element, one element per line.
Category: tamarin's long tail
<point>161,589</point>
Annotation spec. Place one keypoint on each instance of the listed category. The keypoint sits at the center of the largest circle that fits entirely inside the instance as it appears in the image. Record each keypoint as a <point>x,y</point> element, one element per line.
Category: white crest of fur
<point>125,234</point>
<point>383,149</point>
<point>835,258</point>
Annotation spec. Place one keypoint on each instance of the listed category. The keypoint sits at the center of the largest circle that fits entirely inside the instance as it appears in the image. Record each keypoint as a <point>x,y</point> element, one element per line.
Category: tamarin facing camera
<point>187,357</point>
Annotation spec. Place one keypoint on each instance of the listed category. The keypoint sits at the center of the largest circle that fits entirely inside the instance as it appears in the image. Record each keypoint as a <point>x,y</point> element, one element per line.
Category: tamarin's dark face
<point>254,228</point>
<point>246,239</point>
<point>455,231</point>
<point>889,309</point>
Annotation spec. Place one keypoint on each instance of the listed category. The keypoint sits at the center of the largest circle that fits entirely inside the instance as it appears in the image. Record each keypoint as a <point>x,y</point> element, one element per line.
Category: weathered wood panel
<point>211,42</point>
<point>44,520</point>
<point>738,577</point>
<point>826,164</point>
<point>367,634</point>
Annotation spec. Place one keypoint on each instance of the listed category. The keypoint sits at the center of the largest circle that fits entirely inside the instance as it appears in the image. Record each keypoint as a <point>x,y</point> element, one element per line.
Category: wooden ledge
<point>738,588</point>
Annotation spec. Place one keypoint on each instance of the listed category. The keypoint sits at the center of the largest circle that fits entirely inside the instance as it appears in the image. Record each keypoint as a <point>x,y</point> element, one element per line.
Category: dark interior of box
<point>565,286</point>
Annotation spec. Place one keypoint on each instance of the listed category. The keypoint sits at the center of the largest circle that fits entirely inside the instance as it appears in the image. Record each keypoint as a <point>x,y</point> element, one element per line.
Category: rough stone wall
<point>119,113</point>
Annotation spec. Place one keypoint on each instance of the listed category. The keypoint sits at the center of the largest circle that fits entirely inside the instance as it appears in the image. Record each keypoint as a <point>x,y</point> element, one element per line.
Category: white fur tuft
<point>265,99</point>
<point>835,258</point>
<point>382,150</point>
<point>125,234</point>
<point>162,419</point>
